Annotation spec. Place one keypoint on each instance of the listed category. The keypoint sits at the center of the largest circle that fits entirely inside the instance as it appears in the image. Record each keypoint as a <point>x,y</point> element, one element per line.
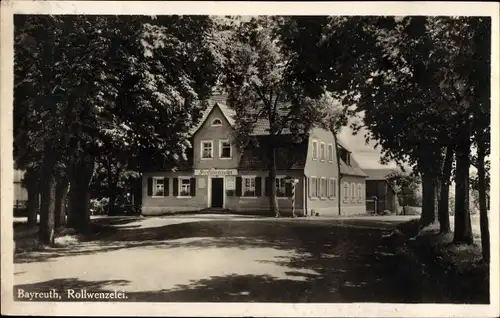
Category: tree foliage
<point>419,83</point>
<point>115,86</point>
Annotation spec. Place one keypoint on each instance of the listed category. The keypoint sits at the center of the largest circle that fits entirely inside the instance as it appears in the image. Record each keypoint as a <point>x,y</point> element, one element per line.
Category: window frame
<point>230,149</point>
<point>353,192</point>
<point>155,178</point>
<point>211,149</point>
<point>322,187</point>
<point>360,193</point>
<point>216,125</point>
<point>322,154</point>
<point>179,195</point>
<point>345,194</point>
<point>243,187</point>
<point>315,186</point>
<point>332,188</point>
<point>283,180</point>
<point>314,149</point>
<point>330,146</point>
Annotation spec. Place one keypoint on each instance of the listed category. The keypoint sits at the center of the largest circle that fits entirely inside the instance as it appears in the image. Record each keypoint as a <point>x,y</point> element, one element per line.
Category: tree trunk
<point>61,194</point>
<point>483,209</point>
<point>33,190</point>
<point>428,197</point>
<point>444,197</point>
<point>111,188</point>
<point>273,200</point>
<point>79,216</point>
<point>437,196</point>
<point>463,230</point>
<point>337,155</point>
<point>48,191</point>
<point>395,199</point>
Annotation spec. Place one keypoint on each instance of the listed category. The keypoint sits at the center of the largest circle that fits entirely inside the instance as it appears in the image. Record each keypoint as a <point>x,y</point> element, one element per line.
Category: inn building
<point>216,176</point>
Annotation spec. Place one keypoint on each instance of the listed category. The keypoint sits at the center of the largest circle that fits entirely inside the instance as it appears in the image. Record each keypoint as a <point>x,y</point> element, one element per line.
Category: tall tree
<point>481,63</point>
<point>410,78</point>
<point>261,90</point>
<point>108,83</point>
<point>443,209</point>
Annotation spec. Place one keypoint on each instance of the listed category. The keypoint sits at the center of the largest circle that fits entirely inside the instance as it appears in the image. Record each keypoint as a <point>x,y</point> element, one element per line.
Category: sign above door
<point>215,172</point>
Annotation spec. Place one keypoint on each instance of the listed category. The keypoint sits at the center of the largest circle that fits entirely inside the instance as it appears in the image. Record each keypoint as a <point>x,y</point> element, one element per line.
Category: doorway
<point>217,193</point>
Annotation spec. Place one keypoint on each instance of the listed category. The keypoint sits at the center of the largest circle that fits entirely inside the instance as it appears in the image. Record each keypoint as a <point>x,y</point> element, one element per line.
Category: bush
<point>99,206</point>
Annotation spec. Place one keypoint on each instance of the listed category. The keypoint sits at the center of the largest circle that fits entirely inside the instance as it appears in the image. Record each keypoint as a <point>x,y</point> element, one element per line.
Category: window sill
<point>283,198</point>
<point>157,196</point>
<point>207,158</point>
<point>183,197</point>
<point>225,158</point>
<point>242,197</point>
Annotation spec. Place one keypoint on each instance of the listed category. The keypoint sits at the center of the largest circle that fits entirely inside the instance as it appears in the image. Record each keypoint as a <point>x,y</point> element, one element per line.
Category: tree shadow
<point>332,263</point>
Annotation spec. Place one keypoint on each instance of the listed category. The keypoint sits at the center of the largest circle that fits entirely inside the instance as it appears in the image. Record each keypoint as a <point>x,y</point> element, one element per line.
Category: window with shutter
<point>258,186</point>
<point>238,186</point>
<point>281,187</point>
<point>150,186</point>
<point>175,187</point>
<point>158,186</point>
<point>166,184</point>
<point>192,190</point>
<point>248,186</point>
<point>184,187</point>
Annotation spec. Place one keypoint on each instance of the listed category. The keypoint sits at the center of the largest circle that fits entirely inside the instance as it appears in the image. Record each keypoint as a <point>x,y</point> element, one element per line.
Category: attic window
<point>344,155</point>
<point>216,122</point>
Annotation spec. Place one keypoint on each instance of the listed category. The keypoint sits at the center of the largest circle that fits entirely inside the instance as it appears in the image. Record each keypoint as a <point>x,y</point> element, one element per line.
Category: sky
<point>366,155</point>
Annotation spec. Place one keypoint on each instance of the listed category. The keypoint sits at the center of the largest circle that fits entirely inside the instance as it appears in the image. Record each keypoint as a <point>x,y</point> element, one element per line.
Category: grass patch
<point>457,271</point>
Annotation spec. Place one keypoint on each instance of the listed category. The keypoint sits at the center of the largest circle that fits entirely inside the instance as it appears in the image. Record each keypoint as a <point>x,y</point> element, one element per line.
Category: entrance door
<point>217,192</point>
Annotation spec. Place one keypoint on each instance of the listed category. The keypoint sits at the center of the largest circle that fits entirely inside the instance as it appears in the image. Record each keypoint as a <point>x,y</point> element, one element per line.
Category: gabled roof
<point>341,144</point>
<point>380,174</point>
<point>261,127</point>
<point>225,110</point>
<point>353,169</point>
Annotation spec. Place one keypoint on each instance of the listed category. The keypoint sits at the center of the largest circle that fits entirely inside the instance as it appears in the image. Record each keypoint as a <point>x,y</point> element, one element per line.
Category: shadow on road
<point>346,261</point>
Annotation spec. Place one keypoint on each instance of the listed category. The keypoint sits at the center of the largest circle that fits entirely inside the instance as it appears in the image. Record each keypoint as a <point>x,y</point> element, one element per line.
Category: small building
<point>20,192</point>
<point>353,182</point>
<point>216,175</point>
<point>379,192</point>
